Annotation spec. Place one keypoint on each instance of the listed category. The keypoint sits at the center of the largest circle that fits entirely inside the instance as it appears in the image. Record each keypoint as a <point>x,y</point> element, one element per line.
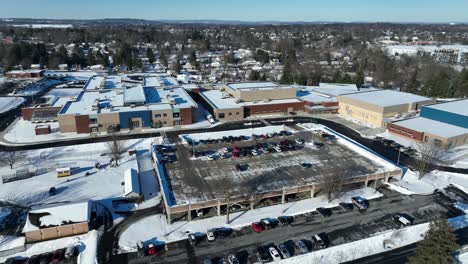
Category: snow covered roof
<point>459,107</point>
<point>134,95</point>
<point>386,98</point>
<point>437,128</point>
<point>9,103</point>
<point>255,86</point>
<point>57,215</point>
<point>217,100</point>
<point>132,183</point>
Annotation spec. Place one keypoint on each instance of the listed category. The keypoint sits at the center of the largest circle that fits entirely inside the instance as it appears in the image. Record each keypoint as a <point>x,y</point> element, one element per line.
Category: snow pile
<point>89,254</point>
<point>410,184</point>
<point>156,228</point>
<point>240,132</point>
<point>48,246</point>
<point>4,212</point>
<point>458,156</point>
<point>368,246</point>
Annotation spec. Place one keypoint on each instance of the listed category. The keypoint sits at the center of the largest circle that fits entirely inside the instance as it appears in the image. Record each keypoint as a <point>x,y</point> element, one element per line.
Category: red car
<point>59,255</point>
<point>257,227</point>
<point>151,249</point>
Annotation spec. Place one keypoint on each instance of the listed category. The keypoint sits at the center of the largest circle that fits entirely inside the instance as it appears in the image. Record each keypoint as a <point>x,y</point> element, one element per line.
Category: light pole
<point>399,154</point>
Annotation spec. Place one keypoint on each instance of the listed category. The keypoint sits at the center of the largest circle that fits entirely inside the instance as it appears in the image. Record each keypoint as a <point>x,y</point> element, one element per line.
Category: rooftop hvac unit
<point>132,105</point>
<point>225,95</point>
<point>238,101</point>
<point>172,101</point>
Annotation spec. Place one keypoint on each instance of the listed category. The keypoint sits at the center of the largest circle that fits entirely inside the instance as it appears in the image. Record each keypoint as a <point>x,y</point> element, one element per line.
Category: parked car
<point>207,261</point>
<point>277,149</point>
<point>318,144</point>
<point>306,165</point>
<point>299,141</point>
<point>46,258</point>
<point>319,242</point>
<point>210,236</point>
<point>194,239</point>
<point>72,251</point>
<point>360,202</point>
<point>403,219</point>
<point>269,223</point>
<point>325,212</point>
<point>284,251</point>
<point>34,259</point>
<point>222,232</point>
<point>285,220</point>
<point>150,249</point>
<point>233,259</point>
<point>301,247</point>
<point>59,255</point>
<point>263,254</point>
<point>257,227</point>
<point>16,260</point>
<point>255,152</point>
<point>274,254</point>
<point>347,206</point>
<point>238,167</point>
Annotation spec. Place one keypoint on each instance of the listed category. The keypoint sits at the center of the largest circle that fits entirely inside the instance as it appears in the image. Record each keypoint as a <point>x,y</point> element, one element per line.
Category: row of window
<point>223,115</point>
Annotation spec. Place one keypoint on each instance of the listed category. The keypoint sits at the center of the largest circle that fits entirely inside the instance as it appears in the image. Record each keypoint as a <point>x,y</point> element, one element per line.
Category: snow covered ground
<point>99,185</point>
<point>156,228</point>
<point>410,184</point>
<point>248,132</point>
<point>87,244</point>
<point>23,132</point>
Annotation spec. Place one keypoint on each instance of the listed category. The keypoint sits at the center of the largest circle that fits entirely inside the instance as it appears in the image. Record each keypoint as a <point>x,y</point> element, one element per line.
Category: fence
<point>26,173</point>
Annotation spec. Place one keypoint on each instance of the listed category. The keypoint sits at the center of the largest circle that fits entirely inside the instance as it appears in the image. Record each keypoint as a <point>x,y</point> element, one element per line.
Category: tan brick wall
<point>67,123</point>
<point>236,114</point>
<point>56,232</point>
<point>157,116</point>
<point>106,120</point>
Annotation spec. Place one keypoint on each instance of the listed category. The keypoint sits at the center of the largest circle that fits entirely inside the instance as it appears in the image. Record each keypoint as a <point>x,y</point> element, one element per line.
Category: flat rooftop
<point>437,128</point>
<point>256,86</point>
<point>219,101</point>
<point>198,179</point>
<point>112,100</point>
<point>459,107</point>
<point>159,80</point>
<point>386,98</point>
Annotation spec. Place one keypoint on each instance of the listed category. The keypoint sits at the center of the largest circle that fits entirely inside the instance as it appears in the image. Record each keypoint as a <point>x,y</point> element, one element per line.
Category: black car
<point>33,259</point>
<point>285,220</point>
<point>318,144</point>
<point>16,260</point>
<point>194,238</point>
<point>306,165</point>
<point>46,258</point>
<point>269,222</point>
<point>325,212</point>
<point>223,232</point>
<point>52,191</point>
<point>347,206</point>
<point>263,254</point>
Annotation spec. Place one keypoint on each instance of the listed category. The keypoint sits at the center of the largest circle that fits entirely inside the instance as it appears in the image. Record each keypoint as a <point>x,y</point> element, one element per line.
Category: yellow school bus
<point>63,172</point>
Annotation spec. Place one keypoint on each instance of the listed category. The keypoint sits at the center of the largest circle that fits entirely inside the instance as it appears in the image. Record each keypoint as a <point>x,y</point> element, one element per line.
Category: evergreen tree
<point>90,58</point>
<point>438,245</point>
<point>254,75</point>
<point>150,55</point>
<point>288,76</point>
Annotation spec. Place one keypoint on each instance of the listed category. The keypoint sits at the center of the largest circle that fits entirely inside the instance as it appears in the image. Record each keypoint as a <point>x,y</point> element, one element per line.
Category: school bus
<point>63,172</point>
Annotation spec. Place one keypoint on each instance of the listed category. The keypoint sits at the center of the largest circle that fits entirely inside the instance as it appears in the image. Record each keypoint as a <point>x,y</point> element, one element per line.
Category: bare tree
<point>332,183</point>
<point>9,158</point>
<point>116,148</point>
<point>227,192</point>
<point>430,154</point>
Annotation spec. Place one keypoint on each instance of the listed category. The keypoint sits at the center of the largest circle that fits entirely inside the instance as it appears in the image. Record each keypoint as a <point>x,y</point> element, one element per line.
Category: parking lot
<point>342,227</point>
<point>199,179</point>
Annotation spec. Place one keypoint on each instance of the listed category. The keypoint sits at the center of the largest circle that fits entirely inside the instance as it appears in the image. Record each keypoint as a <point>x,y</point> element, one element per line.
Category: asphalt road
<point>342,227</point>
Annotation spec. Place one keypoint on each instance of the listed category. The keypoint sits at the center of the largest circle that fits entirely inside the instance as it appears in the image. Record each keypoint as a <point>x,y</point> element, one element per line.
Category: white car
<point>255,152</point>
<point>274,254</point>
<point>210,235</point>
<point>277,148</point>
<point>224,150</point>
<point>299,141</point>
<point>211,157</point>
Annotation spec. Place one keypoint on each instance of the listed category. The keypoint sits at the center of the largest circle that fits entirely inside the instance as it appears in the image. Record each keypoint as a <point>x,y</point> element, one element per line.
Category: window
<point>176,115</point>
<point>93,121</point>
<point>164,122</point>
<point>437,142</point>
<point>230,114</point>
<point>237,113</point>
<point>221,115</point>
<point>164,115</point>
<point>157,115</point>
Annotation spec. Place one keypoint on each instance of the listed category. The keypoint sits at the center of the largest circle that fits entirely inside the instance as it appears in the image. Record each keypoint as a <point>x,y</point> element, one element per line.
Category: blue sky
<point>247,10</point>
